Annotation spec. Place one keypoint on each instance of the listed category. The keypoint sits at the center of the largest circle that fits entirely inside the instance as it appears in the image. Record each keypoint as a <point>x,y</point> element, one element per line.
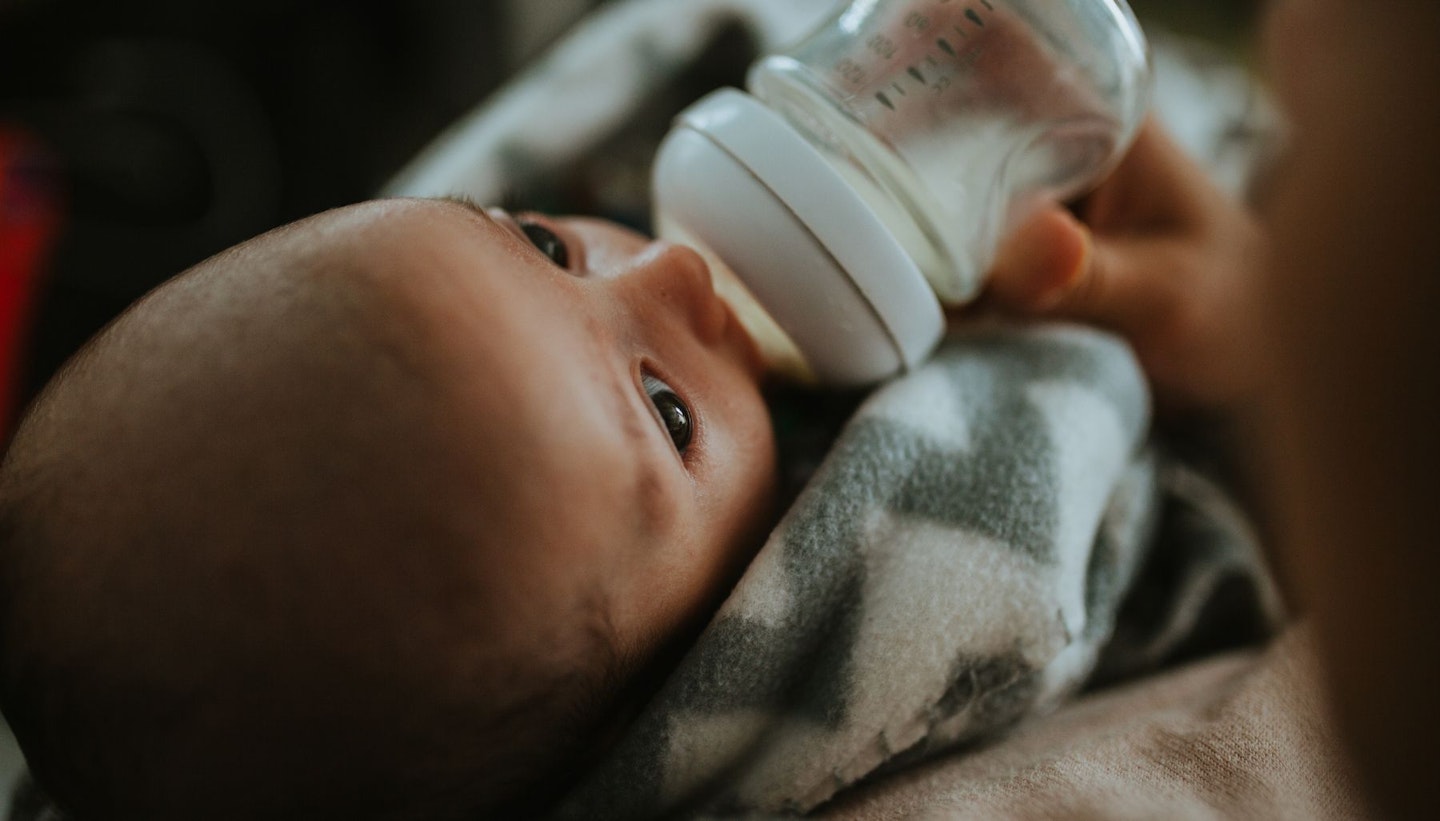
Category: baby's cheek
<point>738,470</point>
<point>744,505</point>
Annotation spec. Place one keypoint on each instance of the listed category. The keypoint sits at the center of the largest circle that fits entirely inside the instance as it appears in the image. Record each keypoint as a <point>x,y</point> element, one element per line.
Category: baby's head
<point>385,514</point>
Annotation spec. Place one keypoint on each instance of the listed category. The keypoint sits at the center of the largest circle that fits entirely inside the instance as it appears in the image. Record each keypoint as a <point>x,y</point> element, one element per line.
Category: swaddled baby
<point>383,514</point>
<point>397,512</point>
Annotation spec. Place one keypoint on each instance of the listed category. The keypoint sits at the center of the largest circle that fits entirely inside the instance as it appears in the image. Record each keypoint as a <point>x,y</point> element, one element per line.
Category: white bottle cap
<point>738,178</point>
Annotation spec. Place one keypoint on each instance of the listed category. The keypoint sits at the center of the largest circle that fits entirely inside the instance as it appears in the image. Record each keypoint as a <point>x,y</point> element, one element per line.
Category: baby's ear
<point>1040,262</point>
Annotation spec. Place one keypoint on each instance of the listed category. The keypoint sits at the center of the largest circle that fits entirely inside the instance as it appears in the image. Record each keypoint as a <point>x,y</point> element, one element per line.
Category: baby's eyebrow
<point>464,201</point>
<point>475,209</point>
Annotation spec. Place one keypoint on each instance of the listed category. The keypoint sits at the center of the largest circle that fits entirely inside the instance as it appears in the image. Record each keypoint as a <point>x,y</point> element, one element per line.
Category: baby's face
<point>607,398</point>
<point>445,477</point>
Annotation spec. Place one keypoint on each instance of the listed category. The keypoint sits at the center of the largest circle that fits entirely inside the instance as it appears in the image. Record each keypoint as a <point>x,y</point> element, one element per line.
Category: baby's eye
<point>674,414</point>
<point>547,242</point>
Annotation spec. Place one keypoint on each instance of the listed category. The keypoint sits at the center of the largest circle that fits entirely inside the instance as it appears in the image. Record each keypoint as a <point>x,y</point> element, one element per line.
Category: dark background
<point>175,128</point>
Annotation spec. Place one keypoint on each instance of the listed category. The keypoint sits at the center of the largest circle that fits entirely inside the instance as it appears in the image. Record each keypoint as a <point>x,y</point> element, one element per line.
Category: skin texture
<point>1351,415</point>
<point>384,488</point>
<point>1314,324</point>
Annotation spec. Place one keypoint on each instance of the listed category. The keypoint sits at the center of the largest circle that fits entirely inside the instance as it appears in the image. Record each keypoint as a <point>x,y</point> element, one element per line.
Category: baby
<point>397,502</point>
<point>400,511</point>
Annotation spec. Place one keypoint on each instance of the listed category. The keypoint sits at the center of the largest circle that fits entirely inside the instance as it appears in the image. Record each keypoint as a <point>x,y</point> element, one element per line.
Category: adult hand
<point>1158,254</point>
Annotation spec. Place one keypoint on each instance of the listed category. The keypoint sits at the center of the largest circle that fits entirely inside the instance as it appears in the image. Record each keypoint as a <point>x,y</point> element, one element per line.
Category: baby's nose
<point>679,281</point>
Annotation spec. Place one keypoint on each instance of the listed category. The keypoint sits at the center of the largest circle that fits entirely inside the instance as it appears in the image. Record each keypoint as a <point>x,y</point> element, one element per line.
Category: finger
<point>1131,285</point>
<point>1041,262</point>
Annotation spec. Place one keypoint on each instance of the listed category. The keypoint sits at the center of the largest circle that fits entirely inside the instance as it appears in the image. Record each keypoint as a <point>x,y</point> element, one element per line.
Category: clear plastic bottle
<point>875,166</point>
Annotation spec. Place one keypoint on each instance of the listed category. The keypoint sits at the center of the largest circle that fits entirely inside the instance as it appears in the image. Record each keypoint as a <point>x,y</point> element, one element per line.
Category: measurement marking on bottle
<point>851,71</point>
<point>880,95</point>
<point>974,18</point>
<point>945,46</point>
<point>915,72</point>
<point>987,4</point>
<point>898,89</point>
<point>930,61</point>
<point>963,33</point>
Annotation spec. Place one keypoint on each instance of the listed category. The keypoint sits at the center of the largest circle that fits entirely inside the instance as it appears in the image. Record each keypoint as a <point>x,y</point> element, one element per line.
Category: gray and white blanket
<point>980,531</point>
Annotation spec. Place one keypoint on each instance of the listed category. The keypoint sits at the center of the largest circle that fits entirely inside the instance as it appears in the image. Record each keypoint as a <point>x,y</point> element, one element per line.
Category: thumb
<point>1053,266</point>
<point>1041,262</point>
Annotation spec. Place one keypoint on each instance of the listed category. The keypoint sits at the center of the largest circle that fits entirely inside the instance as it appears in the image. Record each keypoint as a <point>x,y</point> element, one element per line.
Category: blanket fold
<point>958,562</point>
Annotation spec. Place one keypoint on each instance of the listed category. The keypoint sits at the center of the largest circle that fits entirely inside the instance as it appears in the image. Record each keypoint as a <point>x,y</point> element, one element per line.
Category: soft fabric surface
<point>585,89</point>
<point>958,562</point>
<point>1246,735</point>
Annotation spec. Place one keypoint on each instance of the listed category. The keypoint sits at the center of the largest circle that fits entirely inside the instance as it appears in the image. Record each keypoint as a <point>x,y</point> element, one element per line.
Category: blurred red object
<point>30,215</point>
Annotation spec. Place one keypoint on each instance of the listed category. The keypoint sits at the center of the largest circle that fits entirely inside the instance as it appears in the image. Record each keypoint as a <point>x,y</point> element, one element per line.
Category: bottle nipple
<point>828,293</point>
<point>782,357</point>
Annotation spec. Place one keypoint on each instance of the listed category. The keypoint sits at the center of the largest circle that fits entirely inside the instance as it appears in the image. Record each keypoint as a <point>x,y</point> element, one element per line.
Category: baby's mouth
<point>768,347</point>
<point>737,336</point>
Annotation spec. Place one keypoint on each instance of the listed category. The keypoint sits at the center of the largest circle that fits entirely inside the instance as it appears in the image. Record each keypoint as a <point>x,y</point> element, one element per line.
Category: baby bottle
<point>868,176</point>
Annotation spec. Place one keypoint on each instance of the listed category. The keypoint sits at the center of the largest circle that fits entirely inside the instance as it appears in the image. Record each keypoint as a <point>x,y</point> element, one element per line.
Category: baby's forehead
<point>415,260</point>
<point>425,319</point>
<point>384,270</point>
